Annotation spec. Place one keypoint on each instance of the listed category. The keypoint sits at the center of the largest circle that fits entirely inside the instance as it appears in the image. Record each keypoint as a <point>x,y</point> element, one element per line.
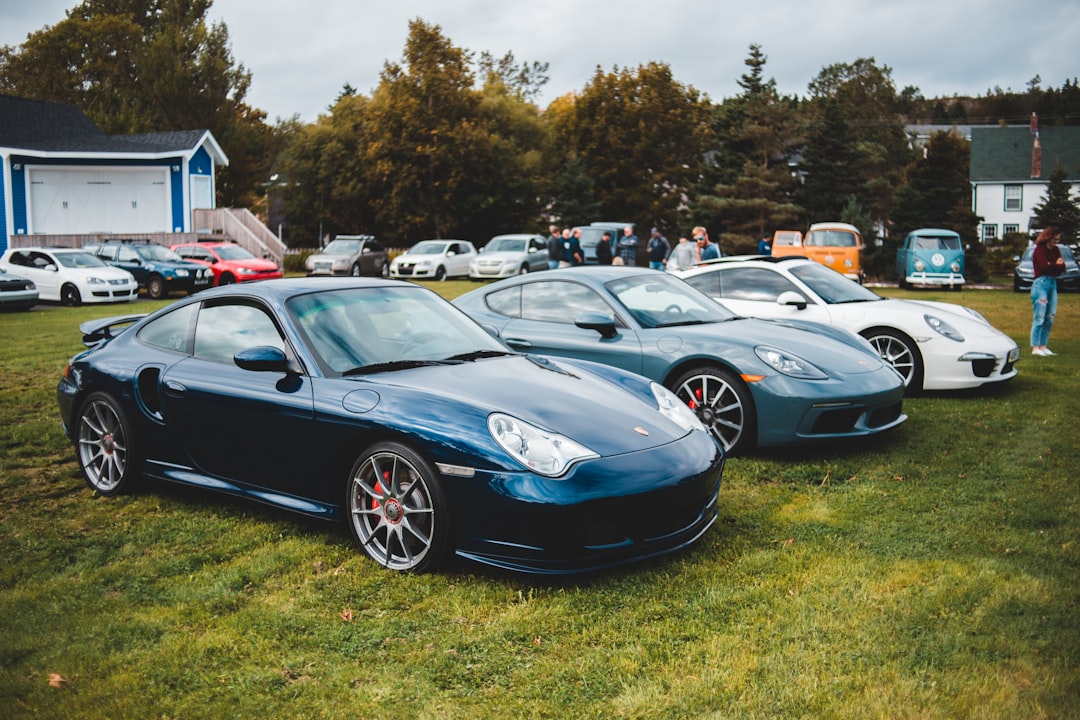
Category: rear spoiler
<point>95,332</point>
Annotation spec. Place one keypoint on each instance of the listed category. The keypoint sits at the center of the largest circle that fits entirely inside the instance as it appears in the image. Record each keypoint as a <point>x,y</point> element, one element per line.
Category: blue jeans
<point>552,264</point>
<point>1044,300</point>
<point>656,264</point>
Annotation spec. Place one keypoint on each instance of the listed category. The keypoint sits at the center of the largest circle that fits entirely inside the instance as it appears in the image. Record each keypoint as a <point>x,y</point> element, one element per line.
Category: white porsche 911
<point>933,345</point>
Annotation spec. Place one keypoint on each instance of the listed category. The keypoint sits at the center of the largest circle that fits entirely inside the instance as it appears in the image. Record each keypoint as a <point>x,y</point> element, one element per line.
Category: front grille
<point>983,368</point>
<point>837,421</point>
<point>884,416</point>
<point>12,285</point>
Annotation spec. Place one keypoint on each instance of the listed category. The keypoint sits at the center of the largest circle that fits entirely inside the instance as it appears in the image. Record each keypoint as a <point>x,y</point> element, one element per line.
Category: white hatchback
<point>70,275</point>
<point>434,260</point>
<point>933,345</point>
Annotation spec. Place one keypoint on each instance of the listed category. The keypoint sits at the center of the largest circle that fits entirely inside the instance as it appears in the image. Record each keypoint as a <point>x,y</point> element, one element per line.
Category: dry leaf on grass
<point>57,680</point>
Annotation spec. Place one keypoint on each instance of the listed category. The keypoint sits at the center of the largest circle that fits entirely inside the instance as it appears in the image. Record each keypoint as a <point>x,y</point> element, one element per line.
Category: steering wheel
<point>672,312</point>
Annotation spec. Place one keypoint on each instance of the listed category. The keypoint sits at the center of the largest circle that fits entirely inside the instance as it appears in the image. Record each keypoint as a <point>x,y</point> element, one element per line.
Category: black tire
<point>901,352</point>
<point>226,279</point>
<point>396,509</point>
<point>902,283</point>
<point>155,287</point>
<point>524,269</point>
<point>69,295</point>
<point>105,445</point>
<point>440,273</point>
<point>355,270</point>
<point>723,402</point>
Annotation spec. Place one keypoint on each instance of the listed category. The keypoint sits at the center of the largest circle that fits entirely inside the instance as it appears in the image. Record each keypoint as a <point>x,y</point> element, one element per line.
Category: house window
<point>1014,197</point>
<point>1008,229</point>
<point>989,233</point>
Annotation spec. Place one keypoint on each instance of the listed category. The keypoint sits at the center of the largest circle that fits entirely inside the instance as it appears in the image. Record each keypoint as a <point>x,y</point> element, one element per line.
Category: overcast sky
<point>301,53</point>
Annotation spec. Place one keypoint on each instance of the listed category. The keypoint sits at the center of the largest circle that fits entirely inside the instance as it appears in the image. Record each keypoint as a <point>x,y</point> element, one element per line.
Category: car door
<point>41,268</point>
<point>371,258</point>
<point>538,255</point>
<point>545,324</point>
<point>458,257</point>
<point>754,291</point>
<point>245,426</point>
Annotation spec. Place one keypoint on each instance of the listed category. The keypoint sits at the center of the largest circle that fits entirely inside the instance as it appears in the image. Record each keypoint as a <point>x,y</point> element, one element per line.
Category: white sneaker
<point>1048,351</point>
<point>1039,351</point>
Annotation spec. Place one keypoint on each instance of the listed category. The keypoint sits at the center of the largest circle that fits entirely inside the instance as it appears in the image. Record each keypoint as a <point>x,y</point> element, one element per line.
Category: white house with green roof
<point>1010,170</point>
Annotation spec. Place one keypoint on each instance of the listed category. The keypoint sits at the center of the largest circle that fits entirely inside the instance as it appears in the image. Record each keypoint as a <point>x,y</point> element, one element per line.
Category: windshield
<point>507,245</point>
<point>937,242</point>
<point>659,300</point>
<point>831,286</point>
<point>352,328</point>
<point>157,252</point>
<point>428,247</point>
<point>232,252</point>
<point>79,260</point>
<point>342,247</point>
<point>829,238</point>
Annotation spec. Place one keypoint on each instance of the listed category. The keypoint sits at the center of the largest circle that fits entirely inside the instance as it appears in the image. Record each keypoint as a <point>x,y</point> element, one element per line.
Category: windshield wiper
<point>391,366</point>
<point>479,354</point>
<point>680,323</point>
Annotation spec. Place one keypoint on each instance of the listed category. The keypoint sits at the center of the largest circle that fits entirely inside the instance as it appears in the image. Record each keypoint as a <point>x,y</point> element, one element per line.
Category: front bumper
<point>938,279</point>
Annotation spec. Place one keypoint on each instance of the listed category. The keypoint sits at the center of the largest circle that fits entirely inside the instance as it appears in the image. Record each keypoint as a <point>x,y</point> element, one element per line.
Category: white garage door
<point>70,201</point>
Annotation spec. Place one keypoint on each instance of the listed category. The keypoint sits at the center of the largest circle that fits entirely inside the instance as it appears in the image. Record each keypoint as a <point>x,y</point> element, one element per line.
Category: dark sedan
<point>1024,272</point>
<point>753,382</point>
<point>378,402</point>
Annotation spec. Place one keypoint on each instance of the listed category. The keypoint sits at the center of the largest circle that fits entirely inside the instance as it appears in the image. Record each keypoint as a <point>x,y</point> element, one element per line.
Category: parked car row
<point>115,270</point>
<point>474,428</point>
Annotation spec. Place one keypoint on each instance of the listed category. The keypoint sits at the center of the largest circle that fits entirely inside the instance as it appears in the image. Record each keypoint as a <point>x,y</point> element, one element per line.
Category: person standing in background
<point>604,252</point>
<point>1047,263</point>
<point>554,247</point>
<point>706,249</point>
<point>628,246</point>
<point>658,249</point>
<point>683,256</point>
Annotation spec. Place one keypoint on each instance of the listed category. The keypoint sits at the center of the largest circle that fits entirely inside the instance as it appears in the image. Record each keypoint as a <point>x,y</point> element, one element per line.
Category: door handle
<point>174,389</point>
<point>518,343</point>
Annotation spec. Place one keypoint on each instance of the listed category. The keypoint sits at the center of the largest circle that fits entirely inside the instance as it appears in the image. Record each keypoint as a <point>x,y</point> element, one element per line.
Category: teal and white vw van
<point>931,256</point>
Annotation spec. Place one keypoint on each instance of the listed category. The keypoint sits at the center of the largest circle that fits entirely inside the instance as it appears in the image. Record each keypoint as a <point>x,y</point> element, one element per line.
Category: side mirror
<point>600,322</point>
<point>262,358</point>
<point>791,298</point>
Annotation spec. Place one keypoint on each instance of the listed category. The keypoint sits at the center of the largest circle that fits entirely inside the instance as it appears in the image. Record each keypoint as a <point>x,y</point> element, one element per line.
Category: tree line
<point>452,144</point>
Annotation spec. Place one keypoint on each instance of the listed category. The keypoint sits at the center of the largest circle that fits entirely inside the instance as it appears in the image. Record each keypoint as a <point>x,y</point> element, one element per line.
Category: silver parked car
<point>506,255</point>
<point>354,255</point>
<point>434,259</point>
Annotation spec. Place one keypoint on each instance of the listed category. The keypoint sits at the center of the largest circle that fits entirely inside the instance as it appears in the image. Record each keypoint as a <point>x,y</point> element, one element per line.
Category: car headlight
<point>182,273</point>
<point>788,364</point>
<point>919,266</point>
<point>955,267</point>
<point>424,264</point>
<point>676,410</point>
<point>943,328</point>
<point>246,271</point>
<point>542,452</point>
<point>91,280</point>
<point>340,264</point>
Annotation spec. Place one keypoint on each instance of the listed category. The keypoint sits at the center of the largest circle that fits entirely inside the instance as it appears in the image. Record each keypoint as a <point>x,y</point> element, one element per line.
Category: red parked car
<point>229,262</point>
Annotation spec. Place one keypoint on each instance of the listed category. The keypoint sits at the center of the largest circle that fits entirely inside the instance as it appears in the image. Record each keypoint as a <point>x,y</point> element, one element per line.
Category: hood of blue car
<point>556,396</point>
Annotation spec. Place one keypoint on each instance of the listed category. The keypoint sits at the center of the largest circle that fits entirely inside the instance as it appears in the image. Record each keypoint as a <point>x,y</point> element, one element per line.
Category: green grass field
<point>930,573</point>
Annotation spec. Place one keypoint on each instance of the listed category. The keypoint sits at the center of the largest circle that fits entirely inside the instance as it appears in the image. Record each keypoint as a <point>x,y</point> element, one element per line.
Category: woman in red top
<point>1048,263</point>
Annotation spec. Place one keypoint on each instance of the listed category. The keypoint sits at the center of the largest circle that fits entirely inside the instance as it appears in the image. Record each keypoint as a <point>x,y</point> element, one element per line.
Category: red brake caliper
<point>696,400</point>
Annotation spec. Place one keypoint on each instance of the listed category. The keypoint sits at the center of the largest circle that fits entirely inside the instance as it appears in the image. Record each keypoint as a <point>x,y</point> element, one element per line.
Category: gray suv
<point>350,255</point>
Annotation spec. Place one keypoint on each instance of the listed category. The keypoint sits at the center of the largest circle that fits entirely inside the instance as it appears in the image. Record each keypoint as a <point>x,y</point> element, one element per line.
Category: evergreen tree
<point>1059,207</point>
<point>827,165</point>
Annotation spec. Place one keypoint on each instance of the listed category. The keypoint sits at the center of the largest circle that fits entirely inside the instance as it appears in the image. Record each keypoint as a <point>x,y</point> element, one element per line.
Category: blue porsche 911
<point>754,383</point>
<point>378,402</point>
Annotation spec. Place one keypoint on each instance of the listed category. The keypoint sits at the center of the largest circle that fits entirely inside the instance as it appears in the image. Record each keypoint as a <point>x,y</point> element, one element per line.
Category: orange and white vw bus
<point>836,245</point>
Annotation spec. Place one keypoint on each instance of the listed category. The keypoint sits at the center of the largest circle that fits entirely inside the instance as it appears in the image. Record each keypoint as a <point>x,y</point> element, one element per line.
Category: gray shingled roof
<point>1004,153</point>
<point>52,127</point>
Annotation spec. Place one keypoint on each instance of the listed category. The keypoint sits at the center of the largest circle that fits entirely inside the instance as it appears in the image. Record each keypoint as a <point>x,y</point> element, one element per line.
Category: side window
<point>505,302</point>
<point>708,283</point>
<point>753,284</point>
<point>171,331</point>
<point>40,260</point>
<point>127,255</point>
<point>223,330</point>
<point>559,301</point>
